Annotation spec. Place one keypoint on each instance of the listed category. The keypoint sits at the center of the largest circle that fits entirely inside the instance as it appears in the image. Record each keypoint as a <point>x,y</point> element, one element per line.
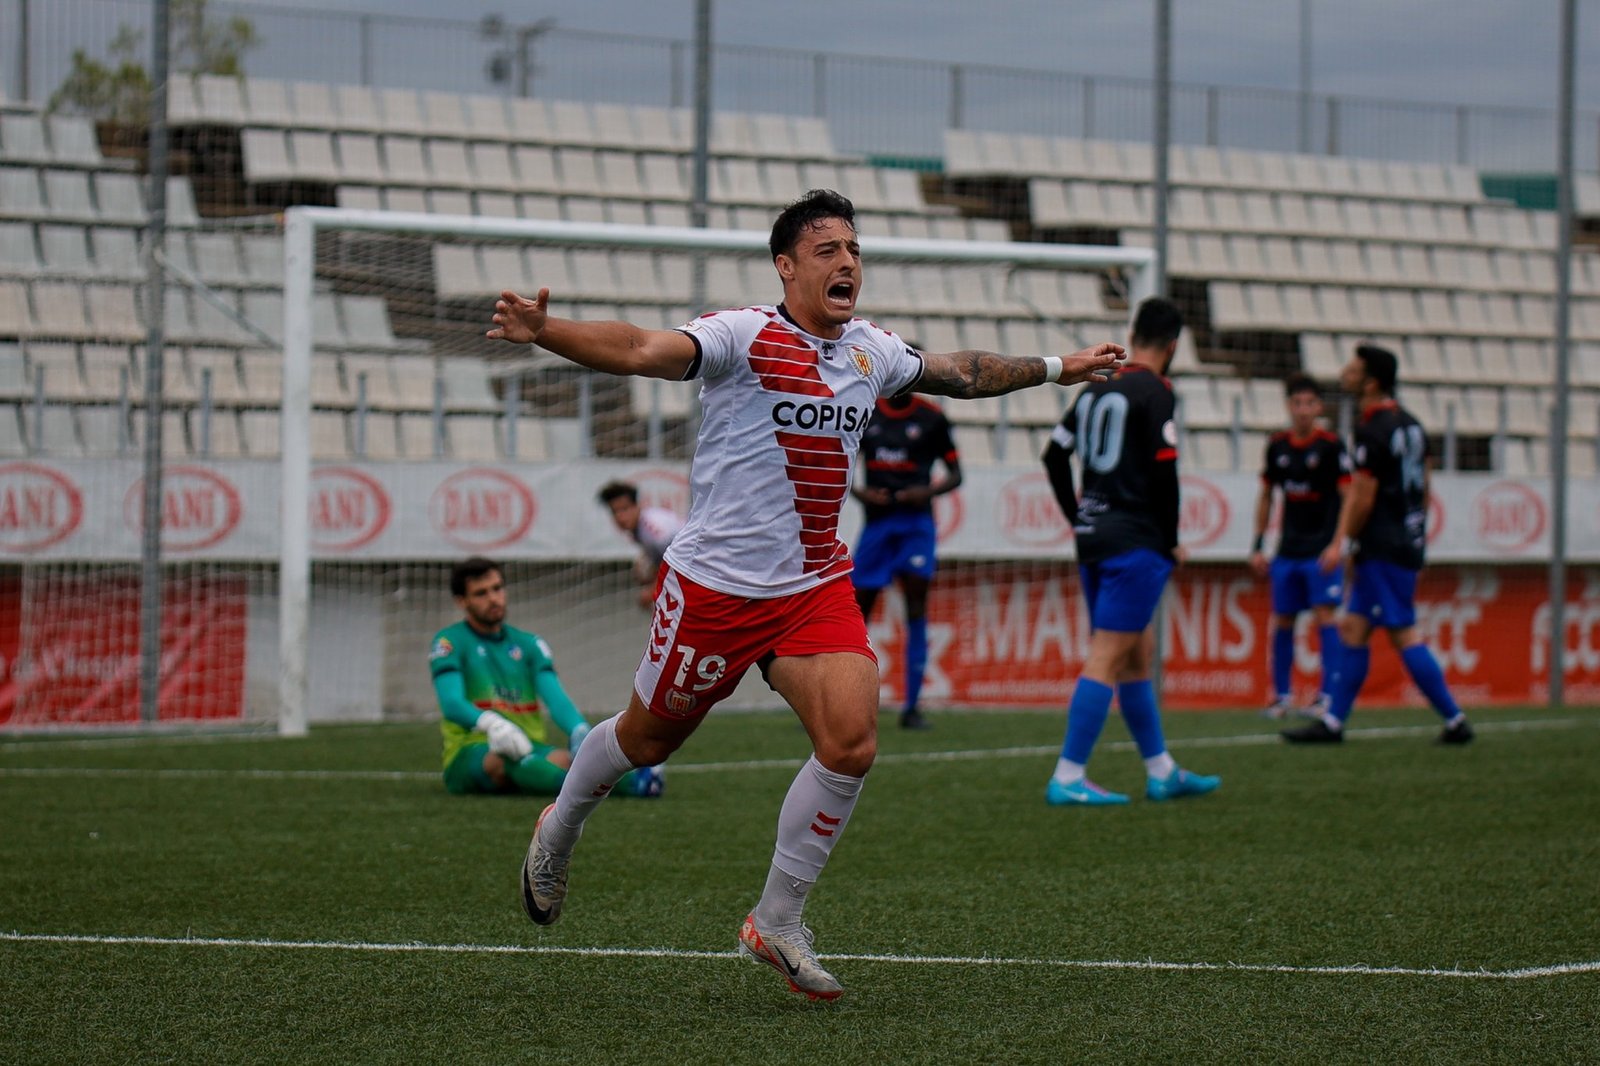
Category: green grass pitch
<point>992,920</point>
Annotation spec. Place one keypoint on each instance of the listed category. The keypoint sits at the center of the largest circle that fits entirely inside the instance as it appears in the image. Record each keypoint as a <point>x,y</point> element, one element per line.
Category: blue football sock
<point>1138,702</point>
<point>1424,670</point>
<point>916,658</point>
<point>1282,660</point>
<point>1353,663</point>
<point>1086,716</point>
<point>1329,637</point>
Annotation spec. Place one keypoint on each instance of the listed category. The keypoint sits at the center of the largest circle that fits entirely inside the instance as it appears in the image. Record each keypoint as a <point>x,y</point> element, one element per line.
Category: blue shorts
<point>1123,591</point>
<point>1298,584</point>
<point>893,545</point>
<point>1385,594</point>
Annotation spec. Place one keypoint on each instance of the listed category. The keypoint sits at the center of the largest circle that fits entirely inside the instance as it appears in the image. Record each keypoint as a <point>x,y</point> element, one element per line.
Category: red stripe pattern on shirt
<point>819,470</point>
<point>786,363</point>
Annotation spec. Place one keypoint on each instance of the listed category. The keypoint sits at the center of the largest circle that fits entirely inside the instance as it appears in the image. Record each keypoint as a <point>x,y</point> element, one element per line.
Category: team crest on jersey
<point>441,649</point>
<point>515,653</point>
<point>1283,460</point>
<point>862,359</point>
<point>1312,461</point>
<point>913,432</point>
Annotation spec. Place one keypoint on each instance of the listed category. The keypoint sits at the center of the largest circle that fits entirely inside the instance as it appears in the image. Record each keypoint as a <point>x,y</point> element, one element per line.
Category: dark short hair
<point>1382,366</point>
<point>618,490</point>
<point>1300,382</point>
<point>1157,323</point>
<point>808,212</point>
<point>470,570</point>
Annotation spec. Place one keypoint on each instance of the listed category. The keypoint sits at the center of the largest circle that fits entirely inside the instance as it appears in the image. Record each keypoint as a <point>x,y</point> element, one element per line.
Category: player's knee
<point>1353,630</point>
<point>494,768</point>
<point>849,752</point>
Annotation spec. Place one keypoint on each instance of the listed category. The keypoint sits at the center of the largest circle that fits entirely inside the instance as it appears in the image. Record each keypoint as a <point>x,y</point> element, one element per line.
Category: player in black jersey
<point>1385,516</point>
<point>903,440</point>
<point>1308,465</point>
<point>1126,524</point>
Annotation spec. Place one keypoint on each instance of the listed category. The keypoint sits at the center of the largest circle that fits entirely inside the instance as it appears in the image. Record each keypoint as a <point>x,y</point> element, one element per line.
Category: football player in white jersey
<point>753,578</point>
<point>652,528</point>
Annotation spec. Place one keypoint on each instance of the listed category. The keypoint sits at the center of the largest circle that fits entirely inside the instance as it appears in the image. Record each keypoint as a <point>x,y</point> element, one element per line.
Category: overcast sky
<point>1454,51</point>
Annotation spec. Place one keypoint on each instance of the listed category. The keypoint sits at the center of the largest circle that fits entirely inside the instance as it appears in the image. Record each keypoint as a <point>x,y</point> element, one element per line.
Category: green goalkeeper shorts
<point>466,775</point>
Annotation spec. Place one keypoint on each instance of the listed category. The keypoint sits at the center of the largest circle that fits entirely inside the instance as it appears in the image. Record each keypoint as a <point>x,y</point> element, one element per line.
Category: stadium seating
<point>1328,252</point>
<point>1317,251</point>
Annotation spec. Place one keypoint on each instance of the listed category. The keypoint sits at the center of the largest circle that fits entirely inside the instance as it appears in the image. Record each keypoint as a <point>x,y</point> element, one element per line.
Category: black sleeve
<point>1371,454</point>
<point>1164,468</point>
<point>1058,464</point>
<point>1164,501</point>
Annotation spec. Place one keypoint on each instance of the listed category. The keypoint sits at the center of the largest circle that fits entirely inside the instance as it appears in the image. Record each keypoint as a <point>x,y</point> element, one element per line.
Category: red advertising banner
<point>1014,635</point>
<point>69,648</point>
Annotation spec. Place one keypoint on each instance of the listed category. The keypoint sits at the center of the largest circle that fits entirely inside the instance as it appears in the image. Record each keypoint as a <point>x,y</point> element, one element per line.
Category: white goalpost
<point>535,488</point>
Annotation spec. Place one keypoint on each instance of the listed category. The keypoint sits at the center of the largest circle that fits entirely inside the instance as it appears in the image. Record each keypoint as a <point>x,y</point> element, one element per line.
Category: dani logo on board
<point>1508,516</point>
<point>349,509</point>
<point>39,507</point>
<point>199,508</point>
<point>1029,515</point>
<point>1203,512</point>
<point>482,508</point>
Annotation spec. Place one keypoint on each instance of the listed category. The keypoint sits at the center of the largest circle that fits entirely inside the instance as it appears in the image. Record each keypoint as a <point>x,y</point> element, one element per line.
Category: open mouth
<point>842,293</point>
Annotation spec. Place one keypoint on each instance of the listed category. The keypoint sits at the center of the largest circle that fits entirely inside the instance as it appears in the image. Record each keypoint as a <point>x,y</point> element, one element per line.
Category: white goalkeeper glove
<point>505,739</point>
<point>576,738</point>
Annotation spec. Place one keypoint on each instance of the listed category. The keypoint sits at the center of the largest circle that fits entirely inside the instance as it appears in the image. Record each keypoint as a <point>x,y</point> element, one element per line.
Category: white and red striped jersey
<point>657,526</point>
<point>782,416</point>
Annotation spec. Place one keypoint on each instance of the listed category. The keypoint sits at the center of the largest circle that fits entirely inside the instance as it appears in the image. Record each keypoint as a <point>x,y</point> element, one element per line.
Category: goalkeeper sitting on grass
<point>496,685</point>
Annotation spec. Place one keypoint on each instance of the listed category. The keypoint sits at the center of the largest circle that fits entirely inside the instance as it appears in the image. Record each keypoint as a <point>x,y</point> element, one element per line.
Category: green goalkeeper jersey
<point>505,673</point>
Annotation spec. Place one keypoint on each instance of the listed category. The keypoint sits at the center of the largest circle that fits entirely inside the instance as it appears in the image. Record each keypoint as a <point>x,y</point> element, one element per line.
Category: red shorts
<point>702,641</point>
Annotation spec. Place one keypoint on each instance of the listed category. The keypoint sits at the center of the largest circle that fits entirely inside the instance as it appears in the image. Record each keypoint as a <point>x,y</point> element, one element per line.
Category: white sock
<point>814,815</point>
<point>598,765</point>
<point>1160,766</point>
<point>1069,772</point>
<point>782,900</point>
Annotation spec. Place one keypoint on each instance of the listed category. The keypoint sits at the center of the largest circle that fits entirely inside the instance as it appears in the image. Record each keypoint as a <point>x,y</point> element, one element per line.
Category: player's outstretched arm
<point>563,712</point>
<point>609,347</point>
<point>970,374</point>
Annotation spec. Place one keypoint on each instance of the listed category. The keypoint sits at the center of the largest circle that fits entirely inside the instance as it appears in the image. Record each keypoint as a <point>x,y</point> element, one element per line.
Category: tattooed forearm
<point>971,374</point>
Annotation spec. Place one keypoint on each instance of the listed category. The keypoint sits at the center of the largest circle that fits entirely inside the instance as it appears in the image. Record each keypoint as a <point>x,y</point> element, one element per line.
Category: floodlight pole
<point>155,339</point>
<point>1158,269</point>
<point>1558,420</point>
<point>1305,77</point>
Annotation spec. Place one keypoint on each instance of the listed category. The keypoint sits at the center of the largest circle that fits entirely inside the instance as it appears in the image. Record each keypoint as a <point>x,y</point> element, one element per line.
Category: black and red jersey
<point>1124,433</point>
<point>901,445</point>
<point>1310,471</point>
<point>1392,450</point>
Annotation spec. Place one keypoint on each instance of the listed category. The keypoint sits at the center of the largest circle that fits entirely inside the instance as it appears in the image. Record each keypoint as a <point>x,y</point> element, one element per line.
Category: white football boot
<point>544,877</point>
<point>791,954</point>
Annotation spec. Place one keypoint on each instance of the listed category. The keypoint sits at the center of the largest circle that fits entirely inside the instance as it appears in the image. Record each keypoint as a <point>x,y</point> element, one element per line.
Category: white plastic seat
<point>266,156</point>
<point>448,165</point>
<point>360,160</point>
<point>404,161</point>
<point>312,155</point>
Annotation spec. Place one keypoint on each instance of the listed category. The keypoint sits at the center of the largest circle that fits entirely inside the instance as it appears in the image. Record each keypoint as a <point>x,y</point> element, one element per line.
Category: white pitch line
<point>1518,974</point>
<point>1029,751</point>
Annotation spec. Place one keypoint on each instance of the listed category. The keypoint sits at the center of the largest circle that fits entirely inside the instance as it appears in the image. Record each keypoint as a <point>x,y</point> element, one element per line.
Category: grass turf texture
<point>1385,851</point>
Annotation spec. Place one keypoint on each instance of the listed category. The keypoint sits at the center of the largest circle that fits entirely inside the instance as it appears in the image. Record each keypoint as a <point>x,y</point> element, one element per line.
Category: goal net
<point>459,445</point>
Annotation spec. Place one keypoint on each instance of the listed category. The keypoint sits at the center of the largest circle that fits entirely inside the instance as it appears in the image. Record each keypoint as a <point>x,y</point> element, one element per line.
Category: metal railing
<point>875,106</point>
